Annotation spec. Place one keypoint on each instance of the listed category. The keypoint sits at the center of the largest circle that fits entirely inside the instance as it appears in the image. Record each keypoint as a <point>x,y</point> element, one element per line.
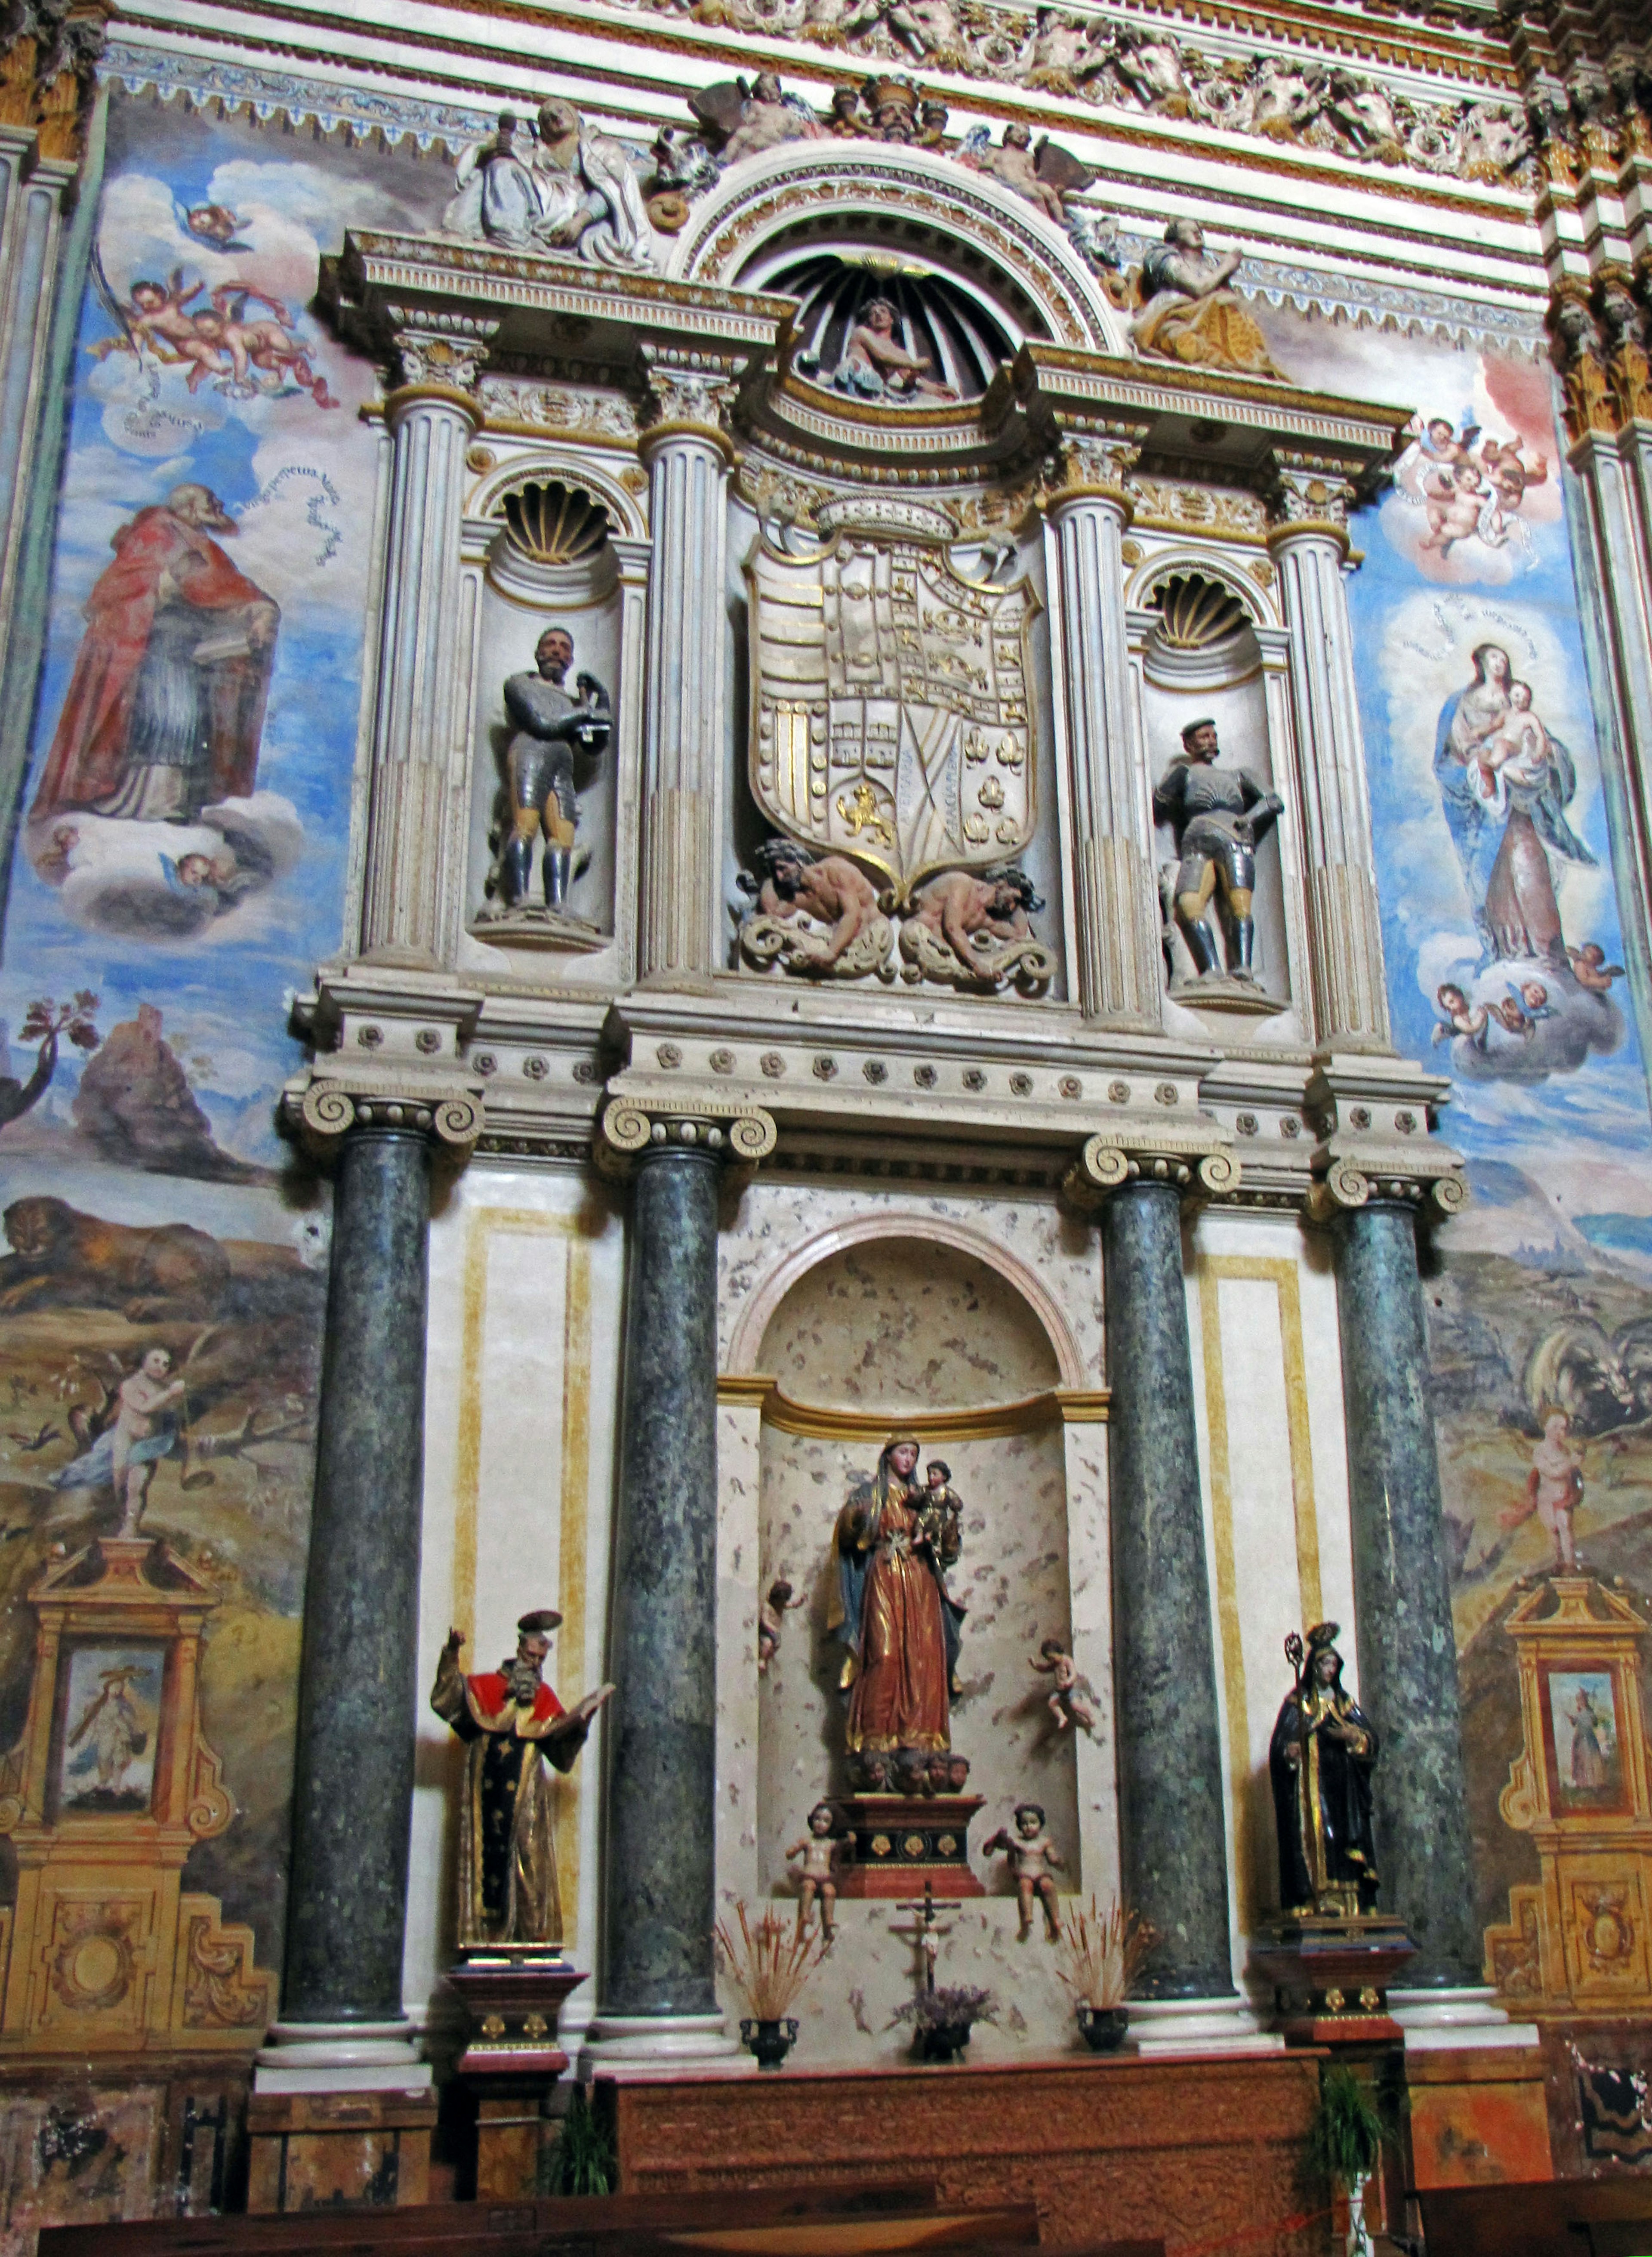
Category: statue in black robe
<point>1320,1761</point>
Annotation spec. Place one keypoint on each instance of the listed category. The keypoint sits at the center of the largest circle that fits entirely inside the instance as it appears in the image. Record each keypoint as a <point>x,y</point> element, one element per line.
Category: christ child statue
<point>1031,1855</point>
<point>817,1851</point>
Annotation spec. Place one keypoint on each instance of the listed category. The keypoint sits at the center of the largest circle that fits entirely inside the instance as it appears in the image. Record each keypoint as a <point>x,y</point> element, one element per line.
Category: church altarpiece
<point>902,387</point>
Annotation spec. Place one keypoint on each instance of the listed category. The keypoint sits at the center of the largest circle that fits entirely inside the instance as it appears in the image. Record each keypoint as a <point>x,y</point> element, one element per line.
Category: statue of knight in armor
<point>1219,816</point>
<point>550,728</point>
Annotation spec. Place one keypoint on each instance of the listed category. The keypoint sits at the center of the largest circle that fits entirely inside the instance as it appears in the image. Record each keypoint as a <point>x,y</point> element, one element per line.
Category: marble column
<point>1171,1821</point>
<point>1402,1603</point>
<point>658,1996</point>
<point>688,717</point>
<point>1309,543</point>
<point>1120,968</point>
<point>341,2025</point>
<point>416,815</point>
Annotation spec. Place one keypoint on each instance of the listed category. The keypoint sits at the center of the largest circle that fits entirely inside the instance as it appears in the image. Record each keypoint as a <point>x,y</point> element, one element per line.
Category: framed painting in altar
<point>1582,1743</point>
<point>108,1723</point>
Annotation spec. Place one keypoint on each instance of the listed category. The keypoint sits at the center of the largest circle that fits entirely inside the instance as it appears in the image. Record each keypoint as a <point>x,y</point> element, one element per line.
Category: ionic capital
<point>628,1131</point>
<point>1374,1143</point>
<point>1194,1159</point>
<point>322,1108</point>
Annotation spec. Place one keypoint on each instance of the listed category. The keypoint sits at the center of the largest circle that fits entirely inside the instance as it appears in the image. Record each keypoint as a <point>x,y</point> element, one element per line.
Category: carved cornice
<point>1192,1157</point>
<point>627,1131</point>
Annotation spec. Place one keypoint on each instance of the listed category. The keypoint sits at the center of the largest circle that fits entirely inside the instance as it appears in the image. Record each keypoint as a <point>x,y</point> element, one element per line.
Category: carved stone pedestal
<point>512,2002</point>
<point>1331,1976</point>
<point>894,1843</point>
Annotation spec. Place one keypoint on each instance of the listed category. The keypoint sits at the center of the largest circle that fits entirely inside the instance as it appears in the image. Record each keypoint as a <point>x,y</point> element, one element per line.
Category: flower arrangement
<point>1105,1951</point>
<point>954,2006</point>
<point>769,1963</point>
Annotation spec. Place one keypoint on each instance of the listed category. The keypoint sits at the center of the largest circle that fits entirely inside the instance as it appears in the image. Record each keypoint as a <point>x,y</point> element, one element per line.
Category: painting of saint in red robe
<point>166,706</point>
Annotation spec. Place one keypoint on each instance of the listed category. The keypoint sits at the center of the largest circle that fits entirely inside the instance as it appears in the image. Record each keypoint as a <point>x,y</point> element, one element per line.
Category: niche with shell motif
<point>542,839</point>
<point>1203,653</point>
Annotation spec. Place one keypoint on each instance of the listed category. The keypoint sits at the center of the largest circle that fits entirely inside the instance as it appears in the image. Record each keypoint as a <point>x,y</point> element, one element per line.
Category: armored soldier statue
<point>550,728</point>
<point>1218,815</point>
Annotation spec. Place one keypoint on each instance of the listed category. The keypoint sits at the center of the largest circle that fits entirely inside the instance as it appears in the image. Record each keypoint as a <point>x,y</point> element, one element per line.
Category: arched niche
<point>1204,648</point>
<point>899,1327</point>
<point>545,546</point>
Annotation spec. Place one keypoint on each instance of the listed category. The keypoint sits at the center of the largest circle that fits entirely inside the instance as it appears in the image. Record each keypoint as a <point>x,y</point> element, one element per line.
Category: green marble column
<point>352,1795</point>
<point>1407,1653</point>
<point>662,1735</point>
<point>1174,1846</point>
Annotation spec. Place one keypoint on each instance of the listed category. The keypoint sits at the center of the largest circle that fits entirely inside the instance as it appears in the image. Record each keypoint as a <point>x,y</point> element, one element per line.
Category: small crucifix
<point>925,1932</point>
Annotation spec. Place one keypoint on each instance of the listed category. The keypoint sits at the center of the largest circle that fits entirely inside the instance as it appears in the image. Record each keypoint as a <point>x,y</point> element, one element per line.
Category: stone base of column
<point>1164,2027</point>
<point>1439,2021</point>
<point>656,2045</point>
<point>339,2057</point>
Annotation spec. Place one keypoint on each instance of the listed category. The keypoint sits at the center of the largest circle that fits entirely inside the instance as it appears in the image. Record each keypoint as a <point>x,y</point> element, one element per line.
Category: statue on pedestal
<point>894,1613</point>
<point>909,1808</point>
<point>1323,1753</point>
<point>514,1725</point>
<point>550,728</point>
<point>1219,817</point>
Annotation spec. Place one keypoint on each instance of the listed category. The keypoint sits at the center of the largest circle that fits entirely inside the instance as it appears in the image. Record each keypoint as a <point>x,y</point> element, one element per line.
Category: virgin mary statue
<point>892,1611</point>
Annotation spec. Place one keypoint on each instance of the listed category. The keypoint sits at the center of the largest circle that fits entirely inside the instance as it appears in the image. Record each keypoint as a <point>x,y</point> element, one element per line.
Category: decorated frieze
<point>1294,102</point>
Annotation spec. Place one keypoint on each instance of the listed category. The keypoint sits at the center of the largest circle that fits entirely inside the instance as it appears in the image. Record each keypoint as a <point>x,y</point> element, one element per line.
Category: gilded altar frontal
<point>825,1144</point>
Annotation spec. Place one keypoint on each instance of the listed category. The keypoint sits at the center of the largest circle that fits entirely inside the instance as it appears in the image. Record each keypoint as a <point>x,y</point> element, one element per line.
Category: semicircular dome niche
<point>955,331</point>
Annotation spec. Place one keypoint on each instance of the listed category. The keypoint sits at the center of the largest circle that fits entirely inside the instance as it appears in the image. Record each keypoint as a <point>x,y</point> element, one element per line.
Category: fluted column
<point>1603,345</point>
<point>1309,542</point>
<point>1402,1601</point>
<point>688,458</point>
<point>416,753</point>
<point>658,1991</point>
<point>1120,969</point>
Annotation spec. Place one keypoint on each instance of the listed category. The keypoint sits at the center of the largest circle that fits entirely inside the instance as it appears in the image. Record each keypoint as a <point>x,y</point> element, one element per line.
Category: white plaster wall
<point>526,1275</point>
<point>1272,1465</point>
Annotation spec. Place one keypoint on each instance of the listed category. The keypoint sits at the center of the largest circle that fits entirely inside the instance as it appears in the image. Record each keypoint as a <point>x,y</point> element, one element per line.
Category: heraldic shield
<point>890,707</point>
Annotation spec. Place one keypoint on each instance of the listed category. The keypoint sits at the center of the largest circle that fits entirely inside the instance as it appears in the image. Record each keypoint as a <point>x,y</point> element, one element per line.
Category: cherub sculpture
<point>769,1616</point>
<point>815,1882</point>
<point>743,121</point>
<point>1065,1703</point>
<point>1046,175</point>
<point>1031,1855</point>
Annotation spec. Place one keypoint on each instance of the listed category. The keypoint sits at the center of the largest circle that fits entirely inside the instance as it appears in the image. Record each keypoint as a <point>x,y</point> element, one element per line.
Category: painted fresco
<point>181,866</point>
<point>1506,971</point>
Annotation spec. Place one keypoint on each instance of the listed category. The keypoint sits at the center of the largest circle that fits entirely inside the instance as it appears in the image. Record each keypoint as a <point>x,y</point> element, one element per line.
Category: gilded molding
<point>1065,1406</point>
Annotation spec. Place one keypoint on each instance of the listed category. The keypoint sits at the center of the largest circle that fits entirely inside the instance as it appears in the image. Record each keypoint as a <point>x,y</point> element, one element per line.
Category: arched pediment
<point>911,204</point>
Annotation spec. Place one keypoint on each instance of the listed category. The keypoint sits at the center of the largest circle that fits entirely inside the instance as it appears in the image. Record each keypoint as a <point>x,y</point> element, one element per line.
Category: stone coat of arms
<point>890,704</point>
